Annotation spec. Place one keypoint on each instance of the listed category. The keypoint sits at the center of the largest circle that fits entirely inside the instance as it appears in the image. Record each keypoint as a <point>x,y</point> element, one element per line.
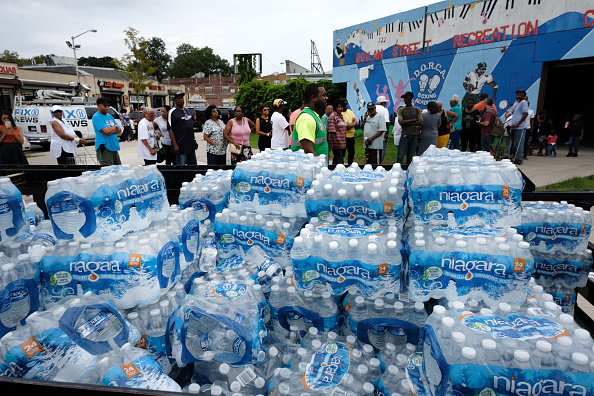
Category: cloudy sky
<point>278,30</point>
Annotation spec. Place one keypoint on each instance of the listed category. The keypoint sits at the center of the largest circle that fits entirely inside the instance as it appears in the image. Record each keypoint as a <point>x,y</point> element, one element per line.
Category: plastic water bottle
<point>208,257</point>
<point>521,360</point>
<point>359,310</point>
<point>377,334</point>
<point>155,339</point>
<point>328,309</point>
<point>19,301</point>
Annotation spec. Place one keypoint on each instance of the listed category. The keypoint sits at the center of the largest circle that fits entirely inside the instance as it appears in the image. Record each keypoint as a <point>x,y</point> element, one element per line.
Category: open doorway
<point>566,89</point>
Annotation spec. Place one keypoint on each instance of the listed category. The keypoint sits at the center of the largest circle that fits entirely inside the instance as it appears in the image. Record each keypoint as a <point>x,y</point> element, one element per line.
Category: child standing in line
<point>552,144</point>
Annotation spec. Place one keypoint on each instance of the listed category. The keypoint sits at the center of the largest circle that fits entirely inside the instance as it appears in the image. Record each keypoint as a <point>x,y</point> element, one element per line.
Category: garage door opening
<point>566,89</point>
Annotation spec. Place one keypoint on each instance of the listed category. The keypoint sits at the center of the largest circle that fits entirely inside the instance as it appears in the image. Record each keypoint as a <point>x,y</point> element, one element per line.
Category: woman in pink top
<point>237,132</point>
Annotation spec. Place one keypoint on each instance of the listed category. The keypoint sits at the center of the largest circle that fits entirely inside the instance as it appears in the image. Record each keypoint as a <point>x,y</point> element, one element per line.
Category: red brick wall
<point>216,82</point>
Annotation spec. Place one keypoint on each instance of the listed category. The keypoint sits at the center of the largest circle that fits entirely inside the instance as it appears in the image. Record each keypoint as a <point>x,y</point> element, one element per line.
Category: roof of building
<point>61,69</point>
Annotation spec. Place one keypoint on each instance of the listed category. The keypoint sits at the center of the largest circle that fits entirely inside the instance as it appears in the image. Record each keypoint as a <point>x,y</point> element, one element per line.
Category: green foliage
<point>104,61</point>
<point>246,68</point>
<point>251,94</point>
<point>137,64</point>
<point>573,184</point>
<point>158,54</point>
<point>191,60</point>
<point>13,57</point>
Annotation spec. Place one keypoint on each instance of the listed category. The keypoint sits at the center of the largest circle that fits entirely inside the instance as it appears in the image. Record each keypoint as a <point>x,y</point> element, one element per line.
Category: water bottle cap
<point>275,288</point>
<point>285,373</point>
<point>353,242</point>
<point>504,247</point>
<point>374,362</point>
<point>481,241</point>
<point>333,245</point>
<point>489,345</point>
<point>455,170</point>
<point>367,348</point>
<point>342,192</point>
<point>461,244</point>
<point>544,346</point>
<point>316,344</point>
<point>565,318</point>
<point>379,303</point>
<point>579,358</point>
<point>393,370</point>
<point>326,295</point>
<point>359,187</point>
<point>550,306</point>
<point>505,307</point>
<point>521,355</point>
<point>193,388</point>
<point>362,369</point>
<point>351,339</point>
<point>420,242</point>
<point>372,247</point>
<point>419,306</point>
<point>538,289</point>
<point>468,353</point>
<point>398,305</point>
<point>155,312</point>
<point>313,330</point>
<point>327,187</point>
<point>164,303</point>
<point>438,309</point>
<point>374,195</point>
<point>120,245</point>
<point>368,388</point>
<point>332,336</point>
<point>448,322</point>
<point>308,294</point>
<point>216,390</point>
<point>582,334</point>
<point>284,389</point>
<point>8,267</point>
<point>547,297</point>
<point>458,337</point>
<point>458,305</point>
<point>419,235</point>
<point>71,244</point>
<point>318,238</point>
<point>359,300</point>
<point>404,384</point>
<point>291,289</point>
<point>132,315</point>
<point>301,352</point>
<point>293,328</point>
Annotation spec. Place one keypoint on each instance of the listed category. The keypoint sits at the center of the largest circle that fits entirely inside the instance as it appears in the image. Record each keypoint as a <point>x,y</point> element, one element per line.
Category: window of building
<point>208,90</point>
<point>284,82</point>
<point>276,82</point>
<point>225,90</point>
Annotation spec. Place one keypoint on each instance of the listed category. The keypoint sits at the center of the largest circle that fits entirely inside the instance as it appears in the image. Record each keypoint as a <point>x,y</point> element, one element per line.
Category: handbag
<point>231,147</point>
<point>161,153</point>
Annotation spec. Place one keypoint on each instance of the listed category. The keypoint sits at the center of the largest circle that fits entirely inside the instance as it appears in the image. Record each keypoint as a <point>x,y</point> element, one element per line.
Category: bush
<point>250,95</point>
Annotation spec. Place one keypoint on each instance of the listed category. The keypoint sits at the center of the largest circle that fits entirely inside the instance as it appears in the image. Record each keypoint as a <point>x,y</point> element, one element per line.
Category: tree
<point>104,61</point>
<point>40,59</point>
<point>191,60</point>
<point>13,57</point>
<point>137,65</point>
<point>157,52</point>
<point>246,68</point>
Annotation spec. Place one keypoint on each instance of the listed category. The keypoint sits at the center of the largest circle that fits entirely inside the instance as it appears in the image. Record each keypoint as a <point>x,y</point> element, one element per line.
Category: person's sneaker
<point>575,155</point>
<point>570,154</point>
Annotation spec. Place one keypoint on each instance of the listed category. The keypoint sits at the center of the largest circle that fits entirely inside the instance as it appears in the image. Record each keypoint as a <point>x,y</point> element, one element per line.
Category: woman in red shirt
<point>11,142</point>
<point>337,128</point>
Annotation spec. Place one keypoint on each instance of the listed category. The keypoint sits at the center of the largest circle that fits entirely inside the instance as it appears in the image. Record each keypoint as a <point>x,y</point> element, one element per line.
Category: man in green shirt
<point>310,133</point>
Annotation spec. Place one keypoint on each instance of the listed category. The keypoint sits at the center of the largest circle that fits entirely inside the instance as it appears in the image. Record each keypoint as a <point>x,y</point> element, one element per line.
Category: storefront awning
<point>114,90</point>
<point>11,81</point>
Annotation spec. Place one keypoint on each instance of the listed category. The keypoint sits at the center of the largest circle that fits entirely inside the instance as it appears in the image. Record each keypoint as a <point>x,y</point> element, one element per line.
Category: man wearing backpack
<point>486,123</point>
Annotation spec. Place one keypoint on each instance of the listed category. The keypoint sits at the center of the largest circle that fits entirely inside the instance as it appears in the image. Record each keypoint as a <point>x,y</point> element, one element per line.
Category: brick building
<point>204,91</point>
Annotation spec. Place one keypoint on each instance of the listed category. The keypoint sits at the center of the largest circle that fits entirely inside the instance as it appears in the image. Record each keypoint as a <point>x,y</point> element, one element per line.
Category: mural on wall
<point>460,47</point>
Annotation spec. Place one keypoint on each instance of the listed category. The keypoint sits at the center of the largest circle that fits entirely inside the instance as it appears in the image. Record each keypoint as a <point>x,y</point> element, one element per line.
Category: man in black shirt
<point>576,134</point>
<point>181,131</point>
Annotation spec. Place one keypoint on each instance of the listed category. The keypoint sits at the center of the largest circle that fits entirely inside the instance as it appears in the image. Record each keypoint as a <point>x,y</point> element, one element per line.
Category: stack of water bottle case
<point>283,276</point>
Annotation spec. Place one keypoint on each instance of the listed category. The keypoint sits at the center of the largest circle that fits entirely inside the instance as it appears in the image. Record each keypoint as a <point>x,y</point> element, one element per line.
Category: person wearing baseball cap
<point>63,139</point>
<point>107,144</point>
<point>411,120</point>
<point>518,131</point>
<point>280,126</point>
<point>374,127</point>
<point>180,124</point>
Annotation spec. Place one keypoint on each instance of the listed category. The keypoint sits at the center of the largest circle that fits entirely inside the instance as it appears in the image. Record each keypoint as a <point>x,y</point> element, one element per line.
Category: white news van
<point>34,117</point>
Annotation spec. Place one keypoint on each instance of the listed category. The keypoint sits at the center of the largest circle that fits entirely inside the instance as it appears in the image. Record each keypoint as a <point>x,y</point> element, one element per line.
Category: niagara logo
<point>559,267</point>
<point>461,265</point>
<point>560,230</point>
<point>351,211</point>
<point>545,387</point>
<point>344,270</point>
<point>251,236</point>
<point>138,189</point>
<point>465,196</point>
<point>93,267</point>
<point>269,182</point>
<point>330,370</point>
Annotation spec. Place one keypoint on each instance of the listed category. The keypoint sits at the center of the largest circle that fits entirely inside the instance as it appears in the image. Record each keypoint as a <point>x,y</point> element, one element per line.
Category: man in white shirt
<point>147,138</point>
<point>381,109</point>
<point>280,126</point>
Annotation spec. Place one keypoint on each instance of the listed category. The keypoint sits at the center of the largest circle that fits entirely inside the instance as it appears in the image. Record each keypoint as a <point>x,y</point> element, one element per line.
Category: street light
<point>75,47</point>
